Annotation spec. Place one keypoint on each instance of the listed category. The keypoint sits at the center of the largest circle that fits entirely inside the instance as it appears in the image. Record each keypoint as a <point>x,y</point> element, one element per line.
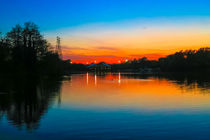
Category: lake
<point>106,106</point>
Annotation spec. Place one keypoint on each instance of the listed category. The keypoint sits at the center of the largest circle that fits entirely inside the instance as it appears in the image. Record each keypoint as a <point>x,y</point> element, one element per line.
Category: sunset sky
<point>114,30</point>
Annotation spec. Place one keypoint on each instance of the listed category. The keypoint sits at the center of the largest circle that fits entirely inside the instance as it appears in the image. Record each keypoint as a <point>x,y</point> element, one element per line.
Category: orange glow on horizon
<point>113,42</point>
<point>110,60</point>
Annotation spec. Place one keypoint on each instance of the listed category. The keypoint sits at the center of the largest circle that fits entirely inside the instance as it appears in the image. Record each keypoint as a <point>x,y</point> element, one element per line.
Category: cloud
<point>82,56</point>
<point>110,56</point>
<point>107,48</point>
<point>149,55</point>
<point>92,48</point>
<point>73,48</point>
<point>77,48</point>
<point>76,56</point>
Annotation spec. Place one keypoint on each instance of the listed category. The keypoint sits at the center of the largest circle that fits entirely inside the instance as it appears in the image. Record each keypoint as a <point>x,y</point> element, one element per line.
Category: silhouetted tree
<point>28,46</point>
<point>189,60</point>
<point>26,99</point>
<point>24,50</point>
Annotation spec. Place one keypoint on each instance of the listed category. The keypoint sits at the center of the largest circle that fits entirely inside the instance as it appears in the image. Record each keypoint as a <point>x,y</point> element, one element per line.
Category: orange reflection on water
<point>120,91</point>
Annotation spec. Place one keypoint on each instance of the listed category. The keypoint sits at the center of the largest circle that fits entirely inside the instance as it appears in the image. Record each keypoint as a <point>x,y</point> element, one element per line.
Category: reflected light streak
<point>119,81</point>
<point>87,78</point>
<point>137,93</point>
<point>95,79</point>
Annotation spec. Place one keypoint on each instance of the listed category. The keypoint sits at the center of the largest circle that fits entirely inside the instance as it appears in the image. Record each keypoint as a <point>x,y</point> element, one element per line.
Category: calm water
<point>106,107</point>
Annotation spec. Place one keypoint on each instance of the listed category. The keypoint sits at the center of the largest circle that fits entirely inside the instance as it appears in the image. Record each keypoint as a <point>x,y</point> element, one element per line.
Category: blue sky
<point>57,14</point>
<point>107,30</point>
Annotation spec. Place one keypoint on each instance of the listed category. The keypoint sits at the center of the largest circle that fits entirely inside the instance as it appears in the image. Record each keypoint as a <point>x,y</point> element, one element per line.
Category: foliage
<point>189,60</point>
<point>24,50</point>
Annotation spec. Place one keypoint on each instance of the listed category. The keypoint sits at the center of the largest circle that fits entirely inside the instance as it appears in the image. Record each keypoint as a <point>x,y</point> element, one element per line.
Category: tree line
<point>24,50</point>
<point>189,60</point>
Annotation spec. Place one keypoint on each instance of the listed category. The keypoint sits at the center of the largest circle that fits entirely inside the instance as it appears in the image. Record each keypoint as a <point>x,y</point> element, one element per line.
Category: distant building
<point>99,67</point>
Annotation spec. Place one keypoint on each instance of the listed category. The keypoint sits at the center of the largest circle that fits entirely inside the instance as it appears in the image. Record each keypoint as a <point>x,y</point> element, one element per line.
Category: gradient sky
<point>114,30</point>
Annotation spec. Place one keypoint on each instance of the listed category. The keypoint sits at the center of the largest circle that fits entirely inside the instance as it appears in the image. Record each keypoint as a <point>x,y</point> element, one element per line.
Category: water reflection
<point>95,79</point>
<point>136,91</point>
<point>119,78</point>
<point>190,81</point>
<point>87,78</point>
<point>24,100</point>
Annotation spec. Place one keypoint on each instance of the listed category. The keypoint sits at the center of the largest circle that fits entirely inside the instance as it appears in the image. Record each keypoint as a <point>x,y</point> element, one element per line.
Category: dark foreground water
<point>105,107</point>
